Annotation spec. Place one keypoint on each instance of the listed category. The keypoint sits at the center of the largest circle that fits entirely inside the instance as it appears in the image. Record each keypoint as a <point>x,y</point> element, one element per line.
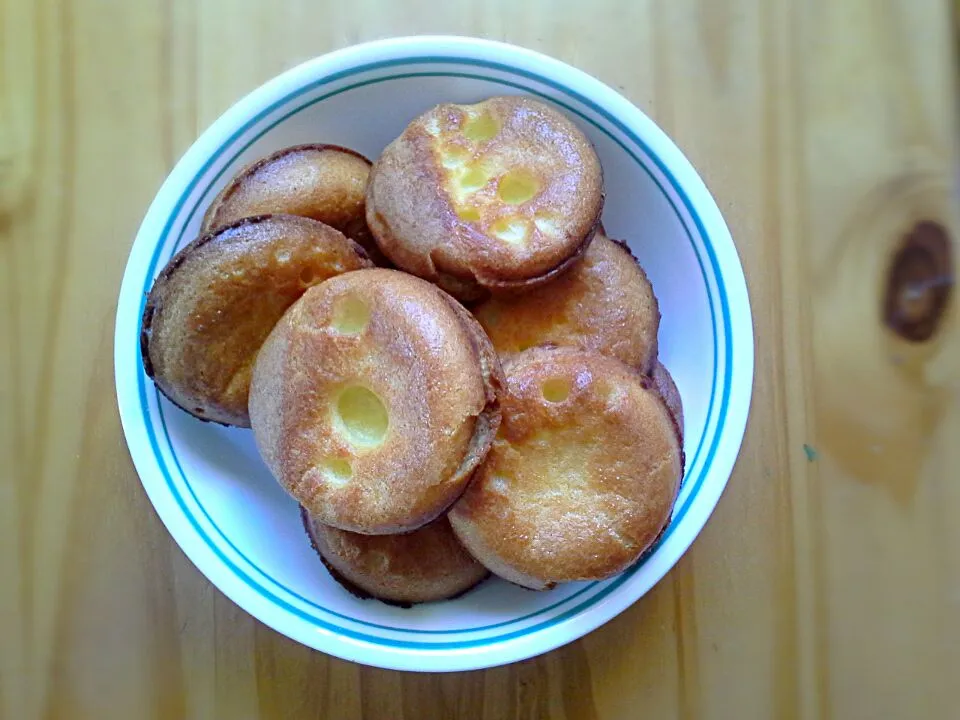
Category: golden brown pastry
<point>664,384</point>
<point>374,399</point>
<point>217,299</point>
<point>603,303</point>
<point>424,565</point>
<point>322,182</point>
<point>582,476</point>
<point>497,196</point>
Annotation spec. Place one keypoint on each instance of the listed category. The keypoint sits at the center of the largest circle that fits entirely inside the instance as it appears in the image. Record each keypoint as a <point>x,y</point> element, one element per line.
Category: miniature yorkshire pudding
<point>374,399</point>
<point>217,299</point>
<point>497,196</point>
<point>322,182</point>
<point>582,476</point>
<point>603,303</point>
<point>420,566</point>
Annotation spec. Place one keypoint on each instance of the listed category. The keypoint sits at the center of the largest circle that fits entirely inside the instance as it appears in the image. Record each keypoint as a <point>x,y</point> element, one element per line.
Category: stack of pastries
<point>442,357</point>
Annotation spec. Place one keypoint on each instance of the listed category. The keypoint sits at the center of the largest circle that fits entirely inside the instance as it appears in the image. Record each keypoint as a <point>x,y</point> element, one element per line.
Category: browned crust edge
<point>358,591</point>
<point>676,425</point>
<point>648,384</point>
<point>651,387</point>
<point>210,216</point>
<point>494,379</point>
<point>622,244</point>
<point>488,419</point>
<point>645,380</point>
<point>487,286</point>
<point>558,269</point>
<point>477,288</point>
<point>683,476</point>
<point>150,308</point>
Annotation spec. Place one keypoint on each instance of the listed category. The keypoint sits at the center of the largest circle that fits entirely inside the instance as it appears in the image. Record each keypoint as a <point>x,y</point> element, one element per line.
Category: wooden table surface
<point>827,583</point>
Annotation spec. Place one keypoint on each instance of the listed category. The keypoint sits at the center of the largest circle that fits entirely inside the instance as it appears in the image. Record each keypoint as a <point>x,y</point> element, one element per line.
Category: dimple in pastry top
<point>218,298</point>
<point>319,181</point>
<point>373,400</point>
<point>420,566</point>
<point>582,476</point>
<point>603,303</point>
<point>492,197</point>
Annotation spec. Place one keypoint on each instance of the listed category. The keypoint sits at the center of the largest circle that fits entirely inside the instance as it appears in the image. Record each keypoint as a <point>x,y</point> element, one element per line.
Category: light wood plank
<point>827,584</point>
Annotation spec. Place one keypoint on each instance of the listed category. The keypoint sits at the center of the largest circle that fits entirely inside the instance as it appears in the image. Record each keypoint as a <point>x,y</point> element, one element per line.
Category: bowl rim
<point>702,207</point>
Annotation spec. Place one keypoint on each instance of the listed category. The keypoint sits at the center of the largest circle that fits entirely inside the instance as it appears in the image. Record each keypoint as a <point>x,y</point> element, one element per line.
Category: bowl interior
<point>218,498</point>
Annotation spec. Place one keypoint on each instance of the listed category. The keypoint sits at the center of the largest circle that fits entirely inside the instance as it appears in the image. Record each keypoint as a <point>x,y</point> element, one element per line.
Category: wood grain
<point>827,584</point>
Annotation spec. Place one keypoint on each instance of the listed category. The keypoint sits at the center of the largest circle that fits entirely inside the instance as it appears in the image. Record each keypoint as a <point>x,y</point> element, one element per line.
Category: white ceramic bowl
<point>217,498</point>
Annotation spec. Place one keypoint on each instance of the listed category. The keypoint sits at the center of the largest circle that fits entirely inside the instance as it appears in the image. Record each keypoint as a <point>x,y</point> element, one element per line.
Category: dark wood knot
<point>919,282</point>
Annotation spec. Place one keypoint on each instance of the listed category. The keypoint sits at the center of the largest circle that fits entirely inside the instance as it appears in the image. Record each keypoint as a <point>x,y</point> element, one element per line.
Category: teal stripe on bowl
<point>612,585</point>
<point>679,513</point>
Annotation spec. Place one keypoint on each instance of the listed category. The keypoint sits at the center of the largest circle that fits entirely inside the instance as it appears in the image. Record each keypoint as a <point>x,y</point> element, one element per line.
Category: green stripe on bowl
<point>347,632</point>
<point>182,241</point>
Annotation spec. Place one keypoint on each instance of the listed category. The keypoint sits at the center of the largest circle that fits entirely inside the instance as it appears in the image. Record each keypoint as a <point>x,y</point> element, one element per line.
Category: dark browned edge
<point>253,167</point>
<point>555,271</point>
<point>494,382</point>
<point>622,244</point>
<point>146,321</point>
<point>358,591</point>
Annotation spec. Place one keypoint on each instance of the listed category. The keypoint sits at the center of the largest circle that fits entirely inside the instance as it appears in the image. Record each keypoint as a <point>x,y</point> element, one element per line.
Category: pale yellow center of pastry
<point>554,468</point>
<point>473,178</point>
<point>361,416</point>
<point>454,157</point>
<point>547,223</point>
<point>336,471</point>
<point>561,466</point>
<point>486,187</point>
<point>517,186</point>
<point>468,214</point>
<point>511,230</point>
<point>350,315</point>
<point>556,390</point>
<point>481,126</point>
